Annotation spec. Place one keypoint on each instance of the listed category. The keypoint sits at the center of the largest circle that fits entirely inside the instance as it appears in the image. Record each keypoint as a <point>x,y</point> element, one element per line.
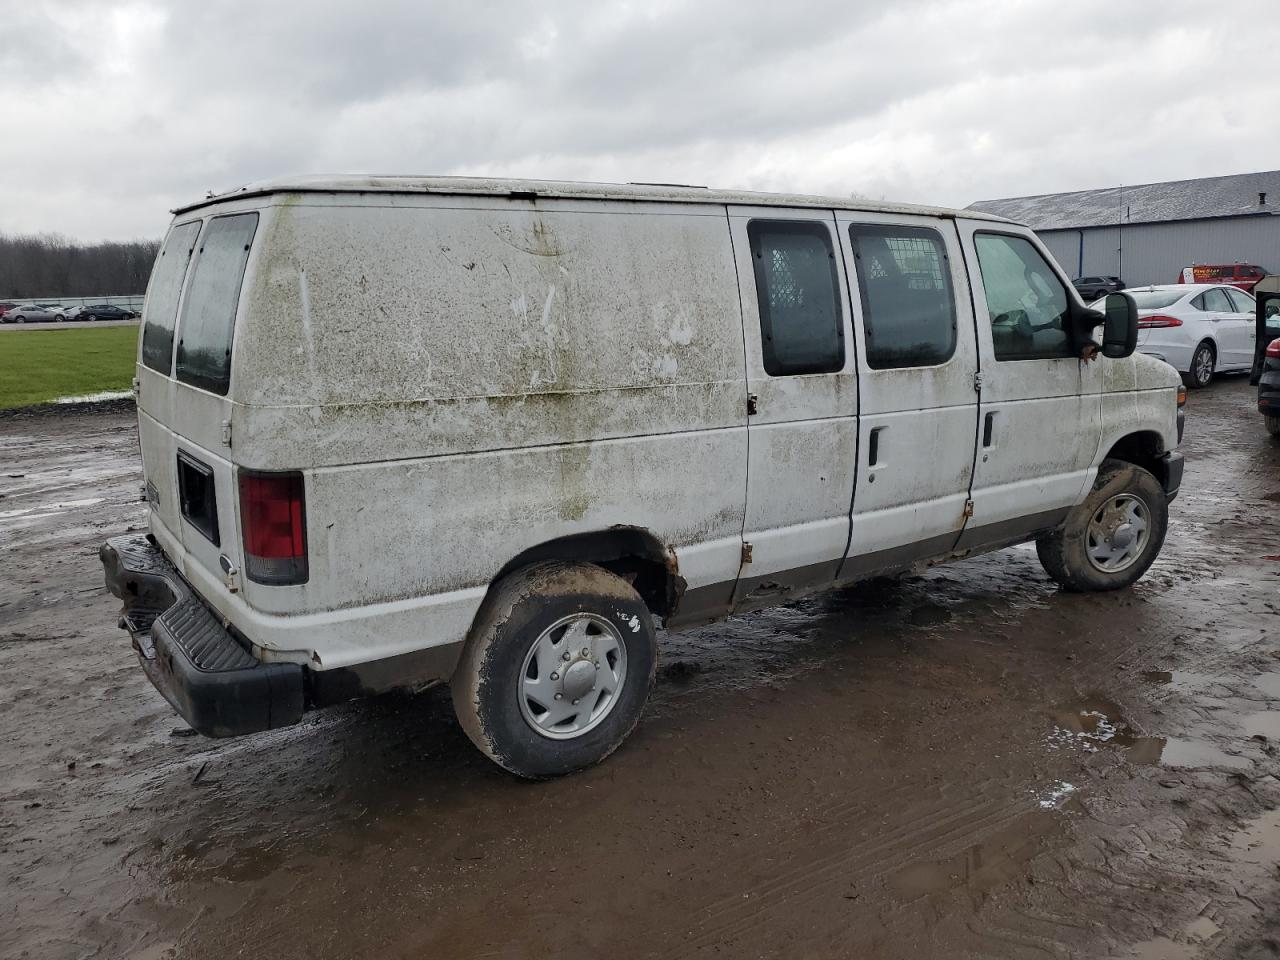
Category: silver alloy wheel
<point>572,676</point>
<point>1202,365</point>
<point>1118,533</point>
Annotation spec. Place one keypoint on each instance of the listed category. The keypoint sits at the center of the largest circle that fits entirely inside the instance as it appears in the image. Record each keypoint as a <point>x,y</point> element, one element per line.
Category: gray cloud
<point>944,102</point>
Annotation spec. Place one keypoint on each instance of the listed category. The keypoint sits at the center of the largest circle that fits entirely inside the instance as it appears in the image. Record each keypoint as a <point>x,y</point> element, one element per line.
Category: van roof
<point>563,189</point>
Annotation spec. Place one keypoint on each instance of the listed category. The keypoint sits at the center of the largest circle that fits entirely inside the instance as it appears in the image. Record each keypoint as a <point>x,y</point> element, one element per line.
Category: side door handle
<point>988,428</point>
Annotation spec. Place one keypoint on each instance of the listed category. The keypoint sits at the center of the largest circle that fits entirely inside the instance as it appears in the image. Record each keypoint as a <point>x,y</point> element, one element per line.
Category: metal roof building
<point>1148,233</point>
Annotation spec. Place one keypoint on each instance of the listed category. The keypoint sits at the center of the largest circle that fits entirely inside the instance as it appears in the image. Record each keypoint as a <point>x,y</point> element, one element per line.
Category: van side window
<point>1026,300</point>
<point>798,292</point>
<point>209,312</point>
<point>161,309</point>
<point>908,311</point>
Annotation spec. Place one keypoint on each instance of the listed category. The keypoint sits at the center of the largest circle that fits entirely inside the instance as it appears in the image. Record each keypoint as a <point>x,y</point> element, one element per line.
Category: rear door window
<point>161,310</point>
<point>209,311</point>
<point>1241,301</point>
<point>1215,301</point>
<point>908,312</point>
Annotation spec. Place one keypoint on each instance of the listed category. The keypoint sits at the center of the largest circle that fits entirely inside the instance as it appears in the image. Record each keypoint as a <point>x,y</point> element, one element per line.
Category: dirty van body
<point>405,431</point>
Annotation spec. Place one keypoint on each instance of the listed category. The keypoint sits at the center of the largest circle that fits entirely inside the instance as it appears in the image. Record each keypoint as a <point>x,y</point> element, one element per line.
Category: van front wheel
<point>556,670</point>
<point>1110,539</point>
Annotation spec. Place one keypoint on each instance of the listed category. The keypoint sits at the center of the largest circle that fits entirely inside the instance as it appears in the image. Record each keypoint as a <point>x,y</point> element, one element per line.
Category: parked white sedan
<point>1197,328</point>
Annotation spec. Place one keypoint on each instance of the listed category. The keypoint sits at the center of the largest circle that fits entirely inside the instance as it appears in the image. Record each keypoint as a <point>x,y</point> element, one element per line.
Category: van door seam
<point>844,242</point>
<point>746,389</point>
<point>977,359</point>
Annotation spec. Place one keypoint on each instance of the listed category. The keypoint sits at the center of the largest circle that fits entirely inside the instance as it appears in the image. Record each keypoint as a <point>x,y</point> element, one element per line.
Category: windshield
<point>1154,299</point>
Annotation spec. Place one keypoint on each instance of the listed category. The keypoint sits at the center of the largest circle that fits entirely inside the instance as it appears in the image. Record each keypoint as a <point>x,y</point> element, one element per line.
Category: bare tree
<point>50,265</point>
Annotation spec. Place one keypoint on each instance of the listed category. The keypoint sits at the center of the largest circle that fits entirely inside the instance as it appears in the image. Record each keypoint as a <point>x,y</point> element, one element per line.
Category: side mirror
<point>1120,330</point>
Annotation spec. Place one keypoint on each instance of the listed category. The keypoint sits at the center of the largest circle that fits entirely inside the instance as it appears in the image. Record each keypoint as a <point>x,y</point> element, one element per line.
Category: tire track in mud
<point>738,915</point>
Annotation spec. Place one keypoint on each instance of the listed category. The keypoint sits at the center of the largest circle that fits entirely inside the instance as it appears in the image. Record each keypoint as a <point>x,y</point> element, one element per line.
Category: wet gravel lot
<point>964,763</point>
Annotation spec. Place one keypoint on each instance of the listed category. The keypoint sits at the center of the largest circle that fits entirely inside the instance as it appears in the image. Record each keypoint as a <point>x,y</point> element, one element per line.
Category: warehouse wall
<point>1156,252</point>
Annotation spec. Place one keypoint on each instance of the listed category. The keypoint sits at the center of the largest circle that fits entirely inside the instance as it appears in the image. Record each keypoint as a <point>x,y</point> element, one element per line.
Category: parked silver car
<point>33,313</point>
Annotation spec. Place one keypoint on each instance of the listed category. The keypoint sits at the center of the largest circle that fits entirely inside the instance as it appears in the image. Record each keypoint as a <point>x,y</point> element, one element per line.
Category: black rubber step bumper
<point>212,680</point>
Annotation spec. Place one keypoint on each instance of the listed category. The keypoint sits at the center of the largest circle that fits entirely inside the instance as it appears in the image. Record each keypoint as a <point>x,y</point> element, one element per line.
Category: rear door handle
<point>988,425</point>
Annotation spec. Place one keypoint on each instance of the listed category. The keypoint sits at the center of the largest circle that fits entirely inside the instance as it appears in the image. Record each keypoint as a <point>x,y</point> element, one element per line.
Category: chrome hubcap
<point>572,676</point>
<point>1118,533</point>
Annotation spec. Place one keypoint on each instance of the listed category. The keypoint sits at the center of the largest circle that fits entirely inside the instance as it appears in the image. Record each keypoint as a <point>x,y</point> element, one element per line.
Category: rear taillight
<point>1158,320</point>
<point>273,519</point>
<point>1273,349</point>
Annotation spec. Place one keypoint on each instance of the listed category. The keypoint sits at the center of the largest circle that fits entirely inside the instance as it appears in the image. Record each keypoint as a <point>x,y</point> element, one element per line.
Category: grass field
<point>37,366</point>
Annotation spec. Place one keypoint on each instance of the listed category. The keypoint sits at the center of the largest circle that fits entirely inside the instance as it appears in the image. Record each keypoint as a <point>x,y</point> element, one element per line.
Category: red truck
<point>1242,275</point>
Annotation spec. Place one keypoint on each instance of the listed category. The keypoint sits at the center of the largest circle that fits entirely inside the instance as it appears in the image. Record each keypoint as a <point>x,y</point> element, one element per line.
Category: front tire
<point>556,669</point>
<point>93,317</point>
<point>1202,364</point>
<point>1112,538</point>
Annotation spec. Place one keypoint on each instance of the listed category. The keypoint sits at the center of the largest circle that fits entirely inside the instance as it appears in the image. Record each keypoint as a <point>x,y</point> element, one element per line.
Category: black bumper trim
<point>1171,475</point>
<point>217,685</point>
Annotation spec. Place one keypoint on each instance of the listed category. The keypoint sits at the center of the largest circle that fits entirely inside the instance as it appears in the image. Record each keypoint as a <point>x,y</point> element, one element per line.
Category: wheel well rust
<point>633,553</point>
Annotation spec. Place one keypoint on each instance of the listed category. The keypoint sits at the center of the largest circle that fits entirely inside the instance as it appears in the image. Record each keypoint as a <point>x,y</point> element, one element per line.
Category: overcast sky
<point>112,113</point>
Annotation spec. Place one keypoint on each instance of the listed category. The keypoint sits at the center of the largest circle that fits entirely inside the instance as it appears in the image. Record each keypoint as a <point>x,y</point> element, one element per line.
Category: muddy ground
<point>966,763</point>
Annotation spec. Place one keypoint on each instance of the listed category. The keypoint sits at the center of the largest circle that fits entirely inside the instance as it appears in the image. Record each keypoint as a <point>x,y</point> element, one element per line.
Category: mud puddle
<point>1099,724</point>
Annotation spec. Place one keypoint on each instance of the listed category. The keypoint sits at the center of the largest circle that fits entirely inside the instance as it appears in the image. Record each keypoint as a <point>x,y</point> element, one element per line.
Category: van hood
<point>1138,372</point>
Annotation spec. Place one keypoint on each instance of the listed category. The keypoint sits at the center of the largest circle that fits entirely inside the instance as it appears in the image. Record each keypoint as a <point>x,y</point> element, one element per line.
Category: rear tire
<point>1273,426</point>
<point>92,317</point>
<point>1110,539</point>
<point>547,638</point>
<point>1202,363</point>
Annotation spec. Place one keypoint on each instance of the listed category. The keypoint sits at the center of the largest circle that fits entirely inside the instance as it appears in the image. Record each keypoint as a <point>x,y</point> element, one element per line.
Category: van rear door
<point>189,453</point>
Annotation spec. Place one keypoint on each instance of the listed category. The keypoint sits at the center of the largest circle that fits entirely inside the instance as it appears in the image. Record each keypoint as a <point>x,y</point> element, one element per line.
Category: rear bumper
<point>1269,390</point>
<point>212,680</point>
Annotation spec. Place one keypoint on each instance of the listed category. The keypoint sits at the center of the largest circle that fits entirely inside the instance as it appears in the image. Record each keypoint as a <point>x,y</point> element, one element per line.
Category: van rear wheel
<point>1110,539</point>
<point>556,670</point>
<point>1273,426</point>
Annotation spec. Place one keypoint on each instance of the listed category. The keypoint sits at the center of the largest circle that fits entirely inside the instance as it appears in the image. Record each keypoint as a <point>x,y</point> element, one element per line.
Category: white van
<point>400,431</point>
